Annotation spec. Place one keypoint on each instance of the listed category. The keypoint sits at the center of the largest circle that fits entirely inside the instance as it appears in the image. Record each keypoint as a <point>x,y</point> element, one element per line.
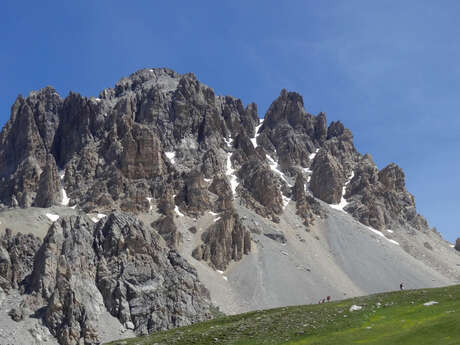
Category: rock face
<point>49,186</point>
<point>226,240</point>
<point>380,199</point>
<point>262,189</point>
<point>118,265</point>
<point>16,259</point>
<point>328,178</point>
<point>307,206</point>
<point>290,132</point>
<point>457,244</point>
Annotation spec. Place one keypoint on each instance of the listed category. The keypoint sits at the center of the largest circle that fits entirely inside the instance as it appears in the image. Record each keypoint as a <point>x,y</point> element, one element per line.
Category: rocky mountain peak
<point>163,147</point>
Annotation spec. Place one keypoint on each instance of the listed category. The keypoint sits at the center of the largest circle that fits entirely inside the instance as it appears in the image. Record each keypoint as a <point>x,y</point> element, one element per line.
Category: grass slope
<point>390,318</point>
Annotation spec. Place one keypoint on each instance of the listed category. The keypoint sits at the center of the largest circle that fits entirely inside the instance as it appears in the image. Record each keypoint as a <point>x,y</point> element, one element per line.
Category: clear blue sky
<point>389,70</point>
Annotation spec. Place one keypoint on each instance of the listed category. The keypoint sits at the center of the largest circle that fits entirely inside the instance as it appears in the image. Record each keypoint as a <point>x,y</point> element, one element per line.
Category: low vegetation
<point>390,318</point>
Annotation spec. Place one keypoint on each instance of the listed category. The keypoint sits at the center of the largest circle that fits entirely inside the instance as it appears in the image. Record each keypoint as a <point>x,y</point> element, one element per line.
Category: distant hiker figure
<point>401,286</point>
<point>328,298</point>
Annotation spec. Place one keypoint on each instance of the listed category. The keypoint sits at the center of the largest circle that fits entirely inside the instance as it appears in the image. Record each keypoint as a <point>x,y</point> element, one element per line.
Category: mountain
<point>158,202</point>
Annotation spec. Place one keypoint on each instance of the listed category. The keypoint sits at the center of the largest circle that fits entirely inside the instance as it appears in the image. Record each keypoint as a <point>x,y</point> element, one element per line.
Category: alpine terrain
<point>160,204</point>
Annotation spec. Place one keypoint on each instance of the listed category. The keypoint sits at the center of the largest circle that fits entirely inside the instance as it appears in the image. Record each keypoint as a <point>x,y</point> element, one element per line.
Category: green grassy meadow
<point>394,318</point>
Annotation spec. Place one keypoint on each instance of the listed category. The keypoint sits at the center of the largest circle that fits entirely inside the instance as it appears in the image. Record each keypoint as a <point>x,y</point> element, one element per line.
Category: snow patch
<point>430,303</point>
<point>52,217</point>
<point>178,212</point>
<point>286,201</point>
<point>65,199</point>
<point>308,170</point>
<point>213,213</point>
<point>225,277</point>
<point>149,199</point>
<point>355,308</point>
<point>392,241</point>
<point>229,141</point>
<point>207,180</point>
<point>97,217</point>
<point>231,174</point>
<point>274,167</point>
<point>390,231</point>
<point>343,202</point>
<point>452,245</point>
<point>220,272</point>
<point>379,233</point>
<point>171,156</point>
<point>216,219</point>
<point>254,140</point>
<point>313,155</point>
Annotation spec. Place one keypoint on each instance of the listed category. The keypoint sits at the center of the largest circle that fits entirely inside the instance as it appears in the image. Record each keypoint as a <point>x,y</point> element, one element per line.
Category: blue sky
<point>389,70</point>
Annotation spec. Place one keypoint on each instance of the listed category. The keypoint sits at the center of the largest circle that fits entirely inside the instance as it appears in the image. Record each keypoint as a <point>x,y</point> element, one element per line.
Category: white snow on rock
<point>355,308</point>
<point>392,241</point>
<point>390,231</point>
<point>225,277</point>
<point>452,245</point>
<point>65,199</point>
<point>216,219</point>
<point>207,180</point>
<point>52,217</point>
<point>179,213</point>
<point>220,272</point>
<point>379,233</point>
<point>149,199</point>
<point>171,156</point>
<point>274,167</point>
<point>231,174</point>
<point>308,170</point>
<point>229,141</point>
<point>286,201</point>
<point>213,213</point>
<point>254,140</point>
<point>430,303</point>
<point>313,155</point>
<point>343,202</point>
<point>97,217</point>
